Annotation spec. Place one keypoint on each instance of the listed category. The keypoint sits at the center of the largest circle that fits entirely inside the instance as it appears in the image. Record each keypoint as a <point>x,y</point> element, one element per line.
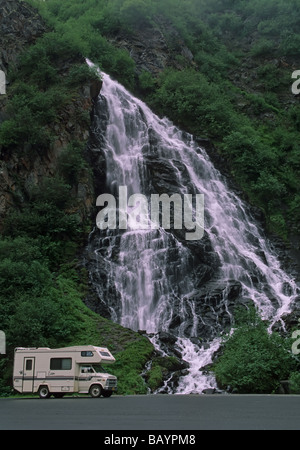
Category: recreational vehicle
<point>63,371</point>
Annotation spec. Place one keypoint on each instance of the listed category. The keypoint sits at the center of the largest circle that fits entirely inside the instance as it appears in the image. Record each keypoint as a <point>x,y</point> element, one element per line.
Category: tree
<point>135,13</point>
<point>253,360</point>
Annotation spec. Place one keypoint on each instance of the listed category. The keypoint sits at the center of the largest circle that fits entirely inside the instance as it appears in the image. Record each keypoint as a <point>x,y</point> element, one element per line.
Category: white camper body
<point>63,371</point>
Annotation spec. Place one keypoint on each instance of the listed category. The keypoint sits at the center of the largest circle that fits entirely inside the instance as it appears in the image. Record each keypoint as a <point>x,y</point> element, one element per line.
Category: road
<point>153,412</point>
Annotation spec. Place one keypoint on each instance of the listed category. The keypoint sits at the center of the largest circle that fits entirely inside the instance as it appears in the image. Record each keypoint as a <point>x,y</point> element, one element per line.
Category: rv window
<point>28,364</point>
<point>104,354</point>
<point>60,363</point>
<point>87,369</point>
<point>87,353</point>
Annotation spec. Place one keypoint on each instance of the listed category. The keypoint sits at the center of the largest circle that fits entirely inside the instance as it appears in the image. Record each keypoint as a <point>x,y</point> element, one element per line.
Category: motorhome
<point>63,371</point>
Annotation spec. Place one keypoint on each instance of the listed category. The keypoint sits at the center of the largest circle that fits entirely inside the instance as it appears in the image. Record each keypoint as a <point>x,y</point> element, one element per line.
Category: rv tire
<point>44,392</point>
<point>95,390</point>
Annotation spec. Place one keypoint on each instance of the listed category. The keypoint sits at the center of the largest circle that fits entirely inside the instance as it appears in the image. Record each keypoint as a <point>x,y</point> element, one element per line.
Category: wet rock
<point>95,88</point>
<point>209,391</point>
<point>212,293</point>
<point>167,338</point>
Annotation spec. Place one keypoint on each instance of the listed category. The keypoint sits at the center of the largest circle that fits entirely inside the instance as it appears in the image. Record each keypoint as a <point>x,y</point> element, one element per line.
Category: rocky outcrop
<point>155,47</point>
<point>20,26</point>
<point>23,168</point>
<point>20,170</point>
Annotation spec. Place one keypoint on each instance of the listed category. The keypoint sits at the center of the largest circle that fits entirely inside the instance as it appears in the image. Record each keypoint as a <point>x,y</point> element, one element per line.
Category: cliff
<point>24,165</point>
<point>20,26</point>
<point>45,133</point>
<point>155,47</point>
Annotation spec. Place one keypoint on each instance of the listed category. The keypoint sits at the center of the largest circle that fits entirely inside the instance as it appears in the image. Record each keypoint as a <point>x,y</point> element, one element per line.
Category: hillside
<point>221,70</point>
<point>47,198</point>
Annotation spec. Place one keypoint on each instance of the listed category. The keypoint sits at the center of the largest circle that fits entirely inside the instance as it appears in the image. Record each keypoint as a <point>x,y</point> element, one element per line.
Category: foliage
<point>295,383</point>
<point>41,283</point>
<point>236,91</point>
<point>81,73</point>
<point>129,366</point>
<point>71,162</point>
<point>253,361</point>
<point>244,52</point>
<point>194,103</point>
<point>135,13</point>
<point>83,28</point>
<point>43,308</point>
<point>44,218</point>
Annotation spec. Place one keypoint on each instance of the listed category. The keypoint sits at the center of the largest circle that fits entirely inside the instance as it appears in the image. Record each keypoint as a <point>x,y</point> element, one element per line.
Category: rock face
<point>21,169</point>
<point>178,264</point>
<point>20,25</point>
<point>154,48</point>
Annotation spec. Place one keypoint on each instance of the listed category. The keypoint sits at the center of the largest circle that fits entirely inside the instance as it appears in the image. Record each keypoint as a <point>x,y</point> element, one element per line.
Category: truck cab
<point>92,375</point>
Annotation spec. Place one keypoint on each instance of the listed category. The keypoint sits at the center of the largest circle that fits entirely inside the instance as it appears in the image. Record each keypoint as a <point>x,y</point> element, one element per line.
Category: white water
<point>196,381</point>
<point>147,293</point>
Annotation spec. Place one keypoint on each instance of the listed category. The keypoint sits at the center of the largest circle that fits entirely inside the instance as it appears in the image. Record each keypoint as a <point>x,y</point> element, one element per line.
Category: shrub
<point>253,361</point>
<point>71,161</point>
<point>52,191</point>
<point>22,129</point>
<point>295,383</point>
<point>262,47</point>
<point>81,73</point>
<point>146,82</point>
<point>135,13</point>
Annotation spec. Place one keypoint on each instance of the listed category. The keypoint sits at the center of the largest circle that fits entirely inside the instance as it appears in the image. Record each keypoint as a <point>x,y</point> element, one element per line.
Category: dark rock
<point>285,386</point>
<point>209,391</point>
<point>154,48</point>
<point>20,25</point>
<point>214,291</point>
<point>167,338</point>
<point>95,88</point>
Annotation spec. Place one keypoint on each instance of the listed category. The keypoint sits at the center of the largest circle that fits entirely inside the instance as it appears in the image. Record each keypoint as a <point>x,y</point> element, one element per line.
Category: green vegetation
<point>254,361</point>
<point>238,84</point>
<point>86,26</point>
<point>35,105</point>
<point>236,91</point>
<point>47,310</point>
<point>43,306</point>
<point>42,285</point>
<point>160,370</point>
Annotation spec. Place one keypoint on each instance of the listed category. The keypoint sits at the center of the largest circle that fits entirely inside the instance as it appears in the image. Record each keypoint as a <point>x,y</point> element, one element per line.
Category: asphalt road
<point>153,412</point>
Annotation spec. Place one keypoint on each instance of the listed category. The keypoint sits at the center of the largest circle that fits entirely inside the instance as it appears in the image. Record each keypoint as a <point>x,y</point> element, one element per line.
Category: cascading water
<point>155,279</point>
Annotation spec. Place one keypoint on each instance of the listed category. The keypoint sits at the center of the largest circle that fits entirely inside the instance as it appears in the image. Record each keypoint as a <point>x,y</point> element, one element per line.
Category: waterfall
<point>154,279</point>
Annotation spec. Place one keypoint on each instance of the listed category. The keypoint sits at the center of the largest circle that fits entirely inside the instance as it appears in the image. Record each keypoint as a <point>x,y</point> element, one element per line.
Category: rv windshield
<point>98,368</point>
<point>95,368</point>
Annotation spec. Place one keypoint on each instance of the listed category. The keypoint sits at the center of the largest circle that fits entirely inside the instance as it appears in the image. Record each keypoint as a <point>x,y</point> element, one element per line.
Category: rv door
<point>28,374</point>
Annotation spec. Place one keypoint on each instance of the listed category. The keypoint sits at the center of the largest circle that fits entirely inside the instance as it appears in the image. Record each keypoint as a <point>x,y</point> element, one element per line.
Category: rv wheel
<point>44,392</point>
<point>95,391</point>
